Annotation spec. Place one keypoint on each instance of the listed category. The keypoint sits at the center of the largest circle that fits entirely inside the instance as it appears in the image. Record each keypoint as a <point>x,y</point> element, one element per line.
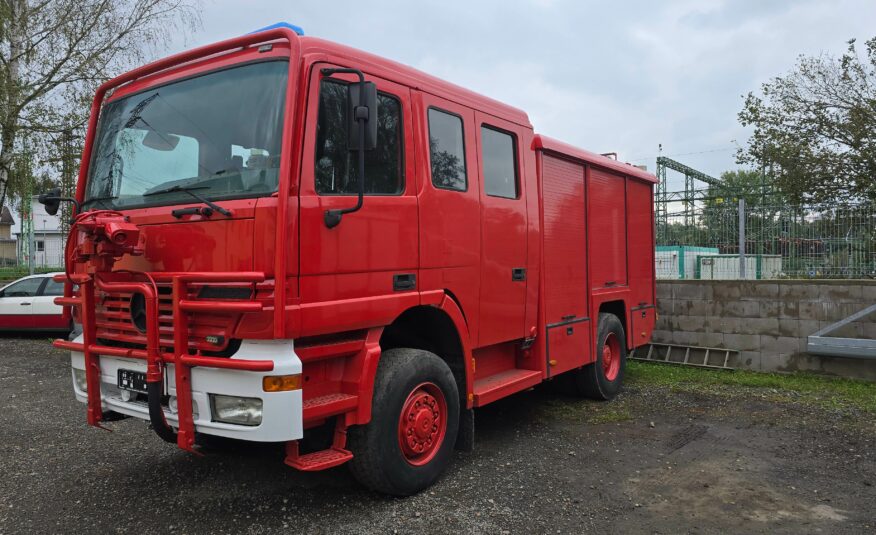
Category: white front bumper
<point>281,411</point>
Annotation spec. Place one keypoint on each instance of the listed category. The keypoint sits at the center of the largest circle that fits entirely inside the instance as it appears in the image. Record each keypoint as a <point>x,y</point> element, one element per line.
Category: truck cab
<point>240,276</point>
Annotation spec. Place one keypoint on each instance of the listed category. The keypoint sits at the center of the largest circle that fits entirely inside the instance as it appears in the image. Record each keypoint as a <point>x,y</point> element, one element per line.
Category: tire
<point>419,384</point>
<point>603,378</point>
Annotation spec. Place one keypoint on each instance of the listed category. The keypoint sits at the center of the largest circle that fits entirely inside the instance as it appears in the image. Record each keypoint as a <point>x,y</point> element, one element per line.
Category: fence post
<point>742,239</point>
<point>31,245</point>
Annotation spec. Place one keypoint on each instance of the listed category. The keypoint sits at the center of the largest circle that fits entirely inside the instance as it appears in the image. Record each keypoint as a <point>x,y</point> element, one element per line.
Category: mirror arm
<point>44,198</point>
<point>333,217</point>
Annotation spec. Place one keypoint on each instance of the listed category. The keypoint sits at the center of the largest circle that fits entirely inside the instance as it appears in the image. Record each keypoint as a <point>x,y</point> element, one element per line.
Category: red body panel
<point>580,228</point>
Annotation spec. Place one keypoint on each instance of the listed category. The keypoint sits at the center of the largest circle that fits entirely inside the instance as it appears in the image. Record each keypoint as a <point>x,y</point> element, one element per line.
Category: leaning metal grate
<point>701,357</point>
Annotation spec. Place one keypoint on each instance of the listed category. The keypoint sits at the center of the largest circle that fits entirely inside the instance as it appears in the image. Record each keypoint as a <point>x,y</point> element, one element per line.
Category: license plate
<point>131,380</point>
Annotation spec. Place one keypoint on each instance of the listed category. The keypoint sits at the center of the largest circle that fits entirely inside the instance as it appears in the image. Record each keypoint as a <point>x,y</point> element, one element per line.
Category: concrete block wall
<point>766,321</point>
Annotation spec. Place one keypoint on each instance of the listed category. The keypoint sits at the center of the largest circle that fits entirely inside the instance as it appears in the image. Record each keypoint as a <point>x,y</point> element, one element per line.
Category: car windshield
<point>218,133</point>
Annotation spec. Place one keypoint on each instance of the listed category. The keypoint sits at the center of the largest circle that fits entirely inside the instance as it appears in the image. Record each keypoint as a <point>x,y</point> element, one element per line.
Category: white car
<point>28,304</point>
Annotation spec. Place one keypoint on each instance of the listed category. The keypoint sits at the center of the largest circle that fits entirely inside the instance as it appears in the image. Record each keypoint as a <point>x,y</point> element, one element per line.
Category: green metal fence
<point>770,240</point>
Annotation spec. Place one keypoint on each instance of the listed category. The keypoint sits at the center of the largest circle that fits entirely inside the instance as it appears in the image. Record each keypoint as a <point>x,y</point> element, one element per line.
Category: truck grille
<point>115,326</point>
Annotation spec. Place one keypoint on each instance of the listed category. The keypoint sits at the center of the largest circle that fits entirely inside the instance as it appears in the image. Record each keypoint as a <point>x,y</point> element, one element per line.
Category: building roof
<point>6,217</point>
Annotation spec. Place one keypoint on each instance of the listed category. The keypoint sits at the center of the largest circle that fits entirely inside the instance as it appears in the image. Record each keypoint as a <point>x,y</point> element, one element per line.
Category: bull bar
<point>182,306</point>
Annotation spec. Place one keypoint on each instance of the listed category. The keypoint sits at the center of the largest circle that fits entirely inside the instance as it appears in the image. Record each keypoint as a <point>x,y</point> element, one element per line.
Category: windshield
<point>218,133</point>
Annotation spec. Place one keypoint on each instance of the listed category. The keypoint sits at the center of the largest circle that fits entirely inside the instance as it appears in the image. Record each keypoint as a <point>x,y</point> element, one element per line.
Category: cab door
<point>373,251</point>
<point>504,269</point>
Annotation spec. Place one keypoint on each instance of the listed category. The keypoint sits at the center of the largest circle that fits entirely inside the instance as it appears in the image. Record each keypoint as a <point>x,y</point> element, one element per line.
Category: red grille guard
<point>153,355</point>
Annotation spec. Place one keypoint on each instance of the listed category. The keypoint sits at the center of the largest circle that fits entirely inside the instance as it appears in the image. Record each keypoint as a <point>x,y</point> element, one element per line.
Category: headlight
<point>80,379</point>
<point>236,410</point>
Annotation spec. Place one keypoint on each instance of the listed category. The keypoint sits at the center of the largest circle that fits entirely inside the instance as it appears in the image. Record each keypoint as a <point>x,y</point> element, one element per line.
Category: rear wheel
<point>603,379</point>
<point>414,422</point>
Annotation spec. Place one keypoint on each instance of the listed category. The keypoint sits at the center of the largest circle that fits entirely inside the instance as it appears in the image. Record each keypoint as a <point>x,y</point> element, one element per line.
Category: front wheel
<point>602,379</point>
<point>414,422</point>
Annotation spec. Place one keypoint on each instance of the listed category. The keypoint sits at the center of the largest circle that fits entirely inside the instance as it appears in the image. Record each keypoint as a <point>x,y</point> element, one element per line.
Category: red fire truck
<point>279,238</point>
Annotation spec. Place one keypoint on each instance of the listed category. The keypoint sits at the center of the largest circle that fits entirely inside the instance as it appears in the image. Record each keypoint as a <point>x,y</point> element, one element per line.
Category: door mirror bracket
<point>362,128</point>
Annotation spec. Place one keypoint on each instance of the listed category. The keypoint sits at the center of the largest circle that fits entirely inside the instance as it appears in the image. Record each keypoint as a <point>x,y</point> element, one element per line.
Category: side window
<point>447,151</point>
<point>498,151</point>
<point>25,288</point>
<point>337,167</point>
<point>53,288</point>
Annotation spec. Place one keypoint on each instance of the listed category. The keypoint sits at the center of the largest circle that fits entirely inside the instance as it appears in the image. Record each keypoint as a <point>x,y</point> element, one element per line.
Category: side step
<point>499,385</point>
<point>318,460</point>
<point>328,405</point>
<point>330,457</point>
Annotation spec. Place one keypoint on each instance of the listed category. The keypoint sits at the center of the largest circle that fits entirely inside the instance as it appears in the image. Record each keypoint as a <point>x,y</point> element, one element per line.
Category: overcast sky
<point>606,76</point>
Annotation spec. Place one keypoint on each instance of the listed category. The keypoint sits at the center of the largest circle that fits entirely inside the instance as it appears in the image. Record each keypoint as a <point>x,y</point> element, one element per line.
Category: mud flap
<point>465,436</point>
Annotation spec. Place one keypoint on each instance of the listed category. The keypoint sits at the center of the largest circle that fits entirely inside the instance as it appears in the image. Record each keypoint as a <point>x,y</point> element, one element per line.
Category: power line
<point>686,153</point>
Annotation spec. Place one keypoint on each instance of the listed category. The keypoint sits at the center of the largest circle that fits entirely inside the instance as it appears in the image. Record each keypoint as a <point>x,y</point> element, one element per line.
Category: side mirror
<point>362,128</point>
<point>51,200</point>
<point>363,105</point>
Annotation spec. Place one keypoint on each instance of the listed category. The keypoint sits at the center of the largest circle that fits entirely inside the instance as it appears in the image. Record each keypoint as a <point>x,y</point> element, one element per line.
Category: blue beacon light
<point>294,28</point>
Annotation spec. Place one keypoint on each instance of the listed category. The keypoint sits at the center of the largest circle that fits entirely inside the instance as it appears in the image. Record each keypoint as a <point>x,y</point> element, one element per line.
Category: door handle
<point>24,304</point>
<point>518,274</point>
<point>404,281</point>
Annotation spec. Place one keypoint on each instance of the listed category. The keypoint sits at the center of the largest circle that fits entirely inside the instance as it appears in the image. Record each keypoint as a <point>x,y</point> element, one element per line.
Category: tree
<point>814,128</point>
<point>54,54</point>
<point>755,187</point>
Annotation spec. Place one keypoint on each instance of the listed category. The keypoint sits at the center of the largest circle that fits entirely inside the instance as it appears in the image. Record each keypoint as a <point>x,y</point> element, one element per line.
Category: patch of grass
<point>824,391</point>
<point>589,411</point>
<point>610,413</point>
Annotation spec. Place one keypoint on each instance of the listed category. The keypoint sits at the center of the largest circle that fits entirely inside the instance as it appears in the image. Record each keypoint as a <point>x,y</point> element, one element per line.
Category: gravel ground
<point>653,461</point>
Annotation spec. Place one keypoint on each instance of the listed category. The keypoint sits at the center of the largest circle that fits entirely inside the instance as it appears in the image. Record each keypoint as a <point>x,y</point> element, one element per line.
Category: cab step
<point>328,405</point>
<point>335,455</point>
<point>319,460</point>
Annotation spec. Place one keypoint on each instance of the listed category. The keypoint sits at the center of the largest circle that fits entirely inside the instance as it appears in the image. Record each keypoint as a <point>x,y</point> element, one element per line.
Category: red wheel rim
<point>611,357</point>
<point>422,424</point>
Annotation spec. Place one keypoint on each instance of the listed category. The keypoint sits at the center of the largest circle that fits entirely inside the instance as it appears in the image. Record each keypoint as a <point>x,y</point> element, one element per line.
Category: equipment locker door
<point>373,251</point>
<point>504,269</point>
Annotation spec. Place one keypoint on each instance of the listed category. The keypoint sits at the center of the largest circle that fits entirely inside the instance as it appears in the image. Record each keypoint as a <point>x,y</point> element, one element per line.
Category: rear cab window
<point>447,151</point>
<point>499,155</point>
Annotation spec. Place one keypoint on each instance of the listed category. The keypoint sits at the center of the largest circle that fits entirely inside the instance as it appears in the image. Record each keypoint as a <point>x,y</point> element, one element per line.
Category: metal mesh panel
<point>704,238</point>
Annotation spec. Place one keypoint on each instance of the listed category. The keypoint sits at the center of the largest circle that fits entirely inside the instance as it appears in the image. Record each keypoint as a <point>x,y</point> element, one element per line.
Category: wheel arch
<point>617,308</point>
<point>441,329</point>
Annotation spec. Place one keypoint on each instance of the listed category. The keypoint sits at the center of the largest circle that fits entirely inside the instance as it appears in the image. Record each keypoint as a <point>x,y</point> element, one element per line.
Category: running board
<point>499,385</point>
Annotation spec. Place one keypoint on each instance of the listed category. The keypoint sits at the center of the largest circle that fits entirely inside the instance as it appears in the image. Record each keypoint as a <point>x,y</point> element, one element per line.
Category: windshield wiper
<point>189,191</point>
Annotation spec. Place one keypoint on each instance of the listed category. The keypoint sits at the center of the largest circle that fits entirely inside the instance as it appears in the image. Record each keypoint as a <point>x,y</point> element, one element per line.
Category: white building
<point>47,237</point>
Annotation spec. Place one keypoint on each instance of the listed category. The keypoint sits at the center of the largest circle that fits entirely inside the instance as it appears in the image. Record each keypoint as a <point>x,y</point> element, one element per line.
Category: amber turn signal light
<point>281,383</point>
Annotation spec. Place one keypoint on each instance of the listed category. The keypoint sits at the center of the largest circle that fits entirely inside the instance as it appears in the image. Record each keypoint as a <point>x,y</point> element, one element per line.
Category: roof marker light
<point>296,29</point>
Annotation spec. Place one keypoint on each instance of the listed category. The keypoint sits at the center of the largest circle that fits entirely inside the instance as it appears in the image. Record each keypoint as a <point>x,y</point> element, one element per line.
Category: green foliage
<point>53,56</point>
<point>813,128</point>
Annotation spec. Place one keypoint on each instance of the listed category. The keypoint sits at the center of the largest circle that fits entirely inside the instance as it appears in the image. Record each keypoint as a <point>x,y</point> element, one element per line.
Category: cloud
<point>607,76</point>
